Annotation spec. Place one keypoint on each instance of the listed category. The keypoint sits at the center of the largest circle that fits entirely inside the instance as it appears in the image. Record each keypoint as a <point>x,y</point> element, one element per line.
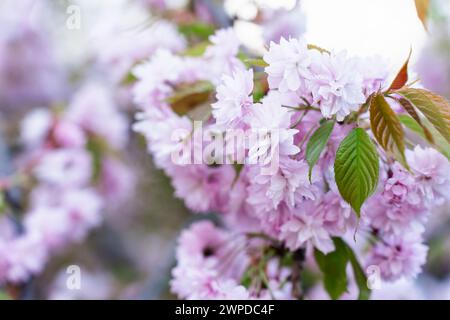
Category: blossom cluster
<point>315,176</point>
<point>292,210</point>
<point>70,173</point>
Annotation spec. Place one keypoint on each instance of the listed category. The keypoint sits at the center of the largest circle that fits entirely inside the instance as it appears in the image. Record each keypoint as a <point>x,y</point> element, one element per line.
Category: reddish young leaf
<point>402,76</point>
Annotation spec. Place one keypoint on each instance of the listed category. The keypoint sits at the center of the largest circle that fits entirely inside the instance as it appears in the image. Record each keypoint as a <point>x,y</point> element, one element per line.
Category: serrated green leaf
<point>358,272</point>
<point>333,266</point>
<point>356,168</point>
<point>387,129</point>
<point>415,116</point>
<point>439,142</point>
<point>434,107</point>
<point>317,144</point>
<point>411,124</point>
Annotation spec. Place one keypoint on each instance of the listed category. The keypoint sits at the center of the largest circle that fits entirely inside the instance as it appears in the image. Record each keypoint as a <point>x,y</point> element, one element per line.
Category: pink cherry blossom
<point>337,85</point>
<point>270,123</point>
<point>399,256</point>
<point>233,99</point>
<point>65,167</point>
<point>289,64</point>
<point>432,172</point>
<point>306,228</point>
<point>203,188</point>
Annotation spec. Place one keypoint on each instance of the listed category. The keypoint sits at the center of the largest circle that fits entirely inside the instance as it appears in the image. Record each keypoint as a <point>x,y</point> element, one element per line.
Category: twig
<point>297,268</point>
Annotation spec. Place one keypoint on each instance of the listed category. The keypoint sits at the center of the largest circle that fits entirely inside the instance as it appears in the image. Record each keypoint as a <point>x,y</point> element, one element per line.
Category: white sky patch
<point>365,27</point>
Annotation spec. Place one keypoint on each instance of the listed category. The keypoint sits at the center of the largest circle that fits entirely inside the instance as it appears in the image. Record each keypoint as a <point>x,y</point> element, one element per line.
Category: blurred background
<point>46,57</point>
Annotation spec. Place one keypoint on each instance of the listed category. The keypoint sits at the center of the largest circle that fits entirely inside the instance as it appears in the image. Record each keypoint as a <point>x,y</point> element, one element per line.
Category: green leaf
<point>439,142</point>
<point>317,144</point>
<point>356,168</point>
<point>247,277</point>
<point>2,202</point>
<point>402,76</point>
<point>434,107</point>
<point>256,62</point>
<point>197,30</point>
<point>387,129</point>
<point>358,273</point>
<point>333,267</point>
<point>411,124</point>
<point>197,50</point>
<point>260,86</point>
<point>128,79</point>
<point>97,147</point>
<point>415,116</point>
